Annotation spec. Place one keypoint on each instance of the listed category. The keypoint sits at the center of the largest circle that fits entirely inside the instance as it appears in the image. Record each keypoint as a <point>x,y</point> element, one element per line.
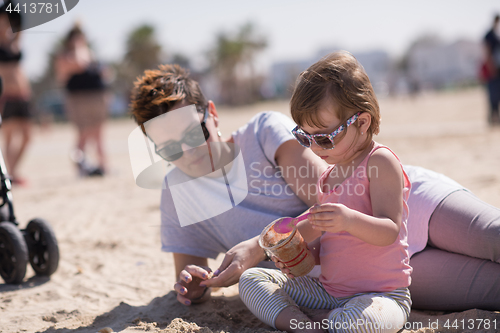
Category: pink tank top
<point>350,265</point>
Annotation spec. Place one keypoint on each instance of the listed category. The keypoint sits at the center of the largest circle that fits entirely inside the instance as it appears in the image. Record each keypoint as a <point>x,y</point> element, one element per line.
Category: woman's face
<point>77,41</point>
<point>175,130</point>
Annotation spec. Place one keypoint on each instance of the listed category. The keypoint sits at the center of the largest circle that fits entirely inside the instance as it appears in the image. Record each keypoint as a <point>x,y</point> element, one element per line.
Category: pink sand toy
<point>286,224</point>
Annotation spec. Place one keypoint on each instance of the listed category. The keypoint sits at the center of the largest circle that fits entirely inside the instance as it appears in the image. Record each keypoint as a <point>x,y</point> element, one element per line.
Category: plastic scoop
<point>285,224</point>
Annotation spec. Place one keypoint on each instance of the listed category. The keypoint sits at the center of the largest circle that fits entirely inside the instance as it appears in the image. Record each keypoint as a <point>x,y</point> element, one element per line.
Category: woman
<point>14,103</point>
<point>86,98</point>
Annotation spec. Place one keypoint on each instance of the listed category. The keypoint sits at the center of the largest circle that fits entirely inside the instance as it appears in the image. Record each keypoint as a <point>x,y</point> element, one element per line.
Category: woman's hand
<point>242,256</point>
<point>188,286</point>
<point>330,217</point>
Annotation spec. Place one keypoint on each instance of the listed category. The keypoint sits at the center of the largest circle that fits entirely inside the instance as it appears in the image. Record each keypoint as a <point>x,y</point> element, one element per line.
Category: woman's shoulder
<point>271,118</point>
<point>265,122</point>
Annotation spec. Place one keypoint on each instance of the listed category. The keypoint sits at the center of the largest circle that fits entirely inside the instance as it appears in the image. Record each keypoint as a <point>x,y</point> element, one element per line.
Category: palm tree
<point>142,52</point>
<point>230,57</point>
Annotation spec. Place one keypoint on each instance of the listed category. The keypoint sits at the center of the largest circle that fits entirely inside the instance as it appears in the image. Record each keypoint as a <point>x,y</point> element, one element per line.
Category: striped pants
<point>266,292</point>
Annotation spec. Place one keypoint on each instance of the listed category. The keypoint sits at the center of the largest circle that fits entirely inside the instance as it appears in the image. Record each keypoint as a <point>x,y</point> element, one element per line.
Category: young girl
<point>358,231</point>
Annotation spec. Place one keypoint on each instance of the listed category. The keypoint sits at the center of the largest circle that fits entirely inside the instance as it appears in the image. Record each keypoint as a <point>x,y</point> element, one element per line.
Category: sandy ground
<point>112,272</point>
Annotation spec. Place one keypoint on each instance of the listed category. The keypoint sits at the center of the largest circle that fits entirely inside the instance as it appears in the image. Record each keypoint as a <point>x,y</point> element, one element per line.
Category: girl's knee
<point>251,277</point>
<point>367,314</point>
<point>250,274</point>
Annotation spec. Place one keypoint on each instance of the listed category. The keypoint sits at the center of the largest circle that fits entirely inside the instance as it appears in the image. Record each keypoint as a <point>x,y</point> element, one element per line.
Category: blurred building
<point>283,75</point>
<point>377,65</point>
<point>437,66</point>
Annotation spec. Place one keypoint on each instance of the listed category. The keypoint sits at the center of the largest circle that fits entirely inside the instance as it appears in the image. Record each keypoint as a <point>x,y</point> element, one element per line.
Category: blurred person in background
<point>491,68</point>
<point>15,100</point>
<point>86,98</point>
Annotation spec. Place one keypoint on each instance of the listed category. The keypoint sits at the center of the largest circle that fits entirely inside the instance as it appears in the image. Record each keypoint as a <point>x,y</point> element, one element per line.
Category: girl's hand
<point>281,266</point>
<point>330,217</point>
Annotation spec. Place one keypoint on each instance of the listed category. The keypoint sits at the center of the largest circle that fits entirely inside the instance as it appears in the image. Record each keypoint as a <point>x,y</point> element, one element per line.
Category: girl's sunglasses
<point>325,141</point>
<point>193,138</point>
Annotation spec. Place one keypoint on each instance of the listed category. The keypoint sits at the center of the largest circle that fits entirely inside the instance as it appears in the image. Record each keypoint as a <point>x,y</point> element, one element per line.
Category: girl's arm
<point>307,231</point>
<point>386,193</point>
<point>314,247</point>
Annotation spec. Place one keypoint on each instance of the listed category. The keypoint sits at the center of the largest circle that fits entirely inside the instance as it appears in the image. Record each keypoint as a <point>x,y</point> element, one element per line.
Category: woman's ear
<point>364,122</point>
<point>212,110</point>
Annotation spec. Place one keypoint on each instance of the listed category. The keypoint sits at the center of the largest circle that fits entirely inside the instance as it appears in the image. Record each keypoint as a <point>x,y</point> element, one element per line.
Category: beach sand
<point>112,273</point>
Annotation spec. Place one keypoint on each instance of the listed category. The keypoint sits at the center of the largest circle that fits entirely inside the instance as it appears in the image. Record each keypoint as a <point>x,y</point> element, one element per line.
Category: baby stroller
<point>37,243</point>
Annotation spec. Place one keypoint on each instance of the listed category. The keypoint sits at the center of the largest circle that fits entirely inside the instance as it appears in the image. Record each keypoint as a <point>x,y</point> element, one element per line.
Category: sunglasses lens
<point>324,142</point>
<point>302,139</point>
<point>171,152</point>
<point>195,137</point>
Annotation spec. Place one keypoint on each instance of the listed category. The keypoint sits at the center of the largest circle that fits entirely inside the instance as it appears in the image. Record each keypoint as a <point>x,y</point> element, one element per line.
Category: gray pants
<point>460,267</point>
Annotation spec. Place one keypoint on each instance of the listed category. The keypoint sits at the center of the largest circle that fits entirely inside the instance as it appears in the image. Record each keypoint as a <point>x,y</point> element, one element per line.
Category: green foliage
<point>234,52</point>
<point>143,51</point>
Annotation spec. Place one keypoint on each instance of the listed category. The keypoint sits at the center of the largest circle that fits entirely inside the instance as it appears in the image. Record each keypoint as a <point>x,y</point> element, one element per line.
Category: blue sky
<point>294,29</point>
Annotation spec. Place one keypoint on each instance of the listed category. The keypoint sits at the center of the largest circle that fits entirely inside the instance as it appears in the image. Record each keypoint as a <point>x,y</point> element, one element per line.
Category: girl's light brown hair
<point>157,91</point>
<point>341,78</point>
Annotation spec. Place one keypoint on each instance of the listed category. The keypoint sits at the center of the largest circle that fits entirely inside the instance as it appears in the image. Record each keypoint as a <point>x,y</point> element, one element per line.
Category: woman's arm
<point>239,258</point>
<point>65,67</point>
<point>72,62</point>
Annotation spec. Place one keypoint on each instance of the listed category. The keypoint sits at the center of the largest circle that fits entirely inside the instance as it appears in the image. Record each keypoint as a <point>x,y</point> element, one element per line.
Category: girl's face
<point>346,147</point>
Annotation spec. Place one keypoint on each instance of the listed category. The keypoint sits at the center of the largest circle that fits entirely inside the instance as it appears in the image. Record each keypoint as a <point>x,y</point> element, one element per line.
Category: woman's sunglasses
<point>325,141</point>
<point>193,138</point>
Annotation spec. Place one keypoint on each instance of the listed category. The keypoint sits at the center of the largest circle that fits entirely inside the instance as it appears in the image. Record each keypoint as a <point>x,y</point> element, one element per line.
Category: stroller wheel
<point>42,247</point>
<point>13,253</point>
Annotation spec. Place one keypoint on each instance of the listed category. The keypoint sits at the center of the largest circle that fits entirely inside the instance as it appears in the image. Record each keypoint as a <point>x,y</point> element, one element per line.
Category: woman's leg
<point>23,127</point>
<point>82,138</point>
<point>8,134</point>
<point>447,281</point>
<point>96,134</point>
<point>17,134</point>
<point>494,99</point>
<point>464,224</point>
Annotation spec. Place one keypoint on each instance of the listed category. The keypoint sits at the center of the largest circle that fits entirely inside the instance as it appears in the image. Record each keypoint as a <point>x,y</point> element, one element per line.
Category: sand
<point>112,273</point>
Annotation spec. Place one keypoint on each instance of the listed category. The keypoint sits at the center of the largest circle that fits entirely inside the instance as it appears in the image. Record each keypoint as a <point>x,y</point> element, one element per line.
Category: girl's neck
<point>357,157</point>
